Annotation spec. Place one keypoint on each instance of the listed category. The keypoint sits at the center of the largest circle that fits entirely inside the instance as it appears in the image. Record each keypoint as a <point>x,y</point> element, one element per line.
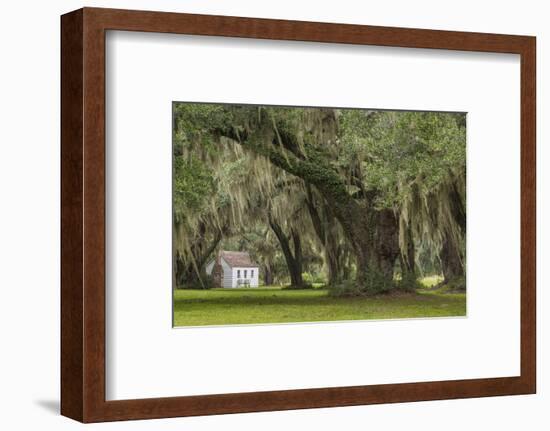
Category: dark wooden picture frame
<point>83,214</point>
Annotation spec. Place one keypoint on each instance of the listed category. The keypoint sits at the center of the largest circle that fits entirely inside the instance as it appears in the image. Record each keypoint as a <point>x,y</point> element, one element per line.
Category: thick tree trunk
<point>346,264</point>
<point>386,242</point>
<point>297,269</point>
<point>372,234</point>
<point>268,275</point>
<point>322,221</point>
<point>335,270</point>
<point>293,261</point>
<point>407,262</point>
<point>377,249</point>
<point>450,261</point>
<point>174,271</point>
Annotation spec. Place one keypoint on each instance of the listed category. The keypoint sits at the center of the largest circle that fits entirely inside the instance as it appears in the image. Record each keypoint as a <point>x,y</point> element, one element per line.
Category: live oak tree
<point>375,185</point>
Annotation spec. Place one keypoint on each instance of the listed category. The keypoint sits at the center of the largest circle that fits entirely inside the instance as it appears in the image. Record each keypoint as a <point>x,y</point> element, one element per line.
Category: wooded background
<point>363,201</point>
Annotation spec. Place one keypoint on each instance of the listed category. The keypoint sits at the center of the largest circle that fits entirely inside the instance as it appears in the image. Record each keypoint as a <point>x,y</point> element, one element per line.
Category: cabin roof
<point>238,259</point>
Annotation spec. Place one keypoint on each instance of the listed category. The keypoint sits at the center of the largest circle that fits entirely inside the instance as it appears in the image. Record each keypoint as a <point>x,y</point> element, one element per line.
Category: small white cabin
<point>233,269</point>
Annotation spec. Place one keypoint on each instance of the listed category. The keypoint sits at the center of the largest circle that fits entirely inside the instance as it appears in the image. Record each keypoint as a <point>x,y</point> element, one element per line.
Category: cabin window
<point>245,273</point>
<point>238,273</point>
<point>251,273</point>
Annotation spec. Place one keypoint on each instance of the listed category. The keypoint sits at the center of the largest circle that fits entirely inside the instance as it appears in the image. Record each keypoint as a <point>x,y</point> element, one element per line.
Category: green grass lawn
<point>275,305</point>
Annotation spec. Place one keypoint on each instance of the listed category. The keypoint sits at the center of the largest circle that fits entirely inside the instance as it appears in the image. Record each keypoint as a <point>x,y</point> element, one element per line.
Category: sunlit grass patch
<point>431,280</point>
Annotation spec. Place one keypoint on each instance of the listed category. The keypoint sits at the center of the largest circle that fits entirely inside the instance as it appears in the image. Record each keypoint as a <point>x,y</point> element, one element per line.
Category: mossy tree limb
<point>358,220</point>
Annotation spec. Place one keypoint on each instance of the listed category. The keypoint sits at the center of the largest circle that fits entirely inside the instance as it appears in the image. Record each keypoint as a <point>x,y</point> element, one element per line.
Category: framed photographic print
<point>267,215</point>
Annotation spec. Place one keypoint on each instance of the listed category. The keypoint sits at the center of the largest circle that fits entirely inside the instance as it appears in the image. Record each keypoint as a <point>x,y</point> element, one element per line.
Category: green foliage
<point>234,164</point>
<point>457,284</point>
<point>346,288</point>
<point>374,283</point>
<point>206,282</point>
<point>193,184</point>
<point>314,278</point>
<point>194,123</point>
<point>408,283</point>
<point>400,149</point>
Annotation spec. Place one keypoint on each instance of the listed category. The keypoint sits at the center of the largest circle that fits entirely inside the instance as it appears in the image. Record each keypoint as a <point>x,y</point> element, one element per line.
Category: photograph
<point>308,214</point>
<point>266,216</point>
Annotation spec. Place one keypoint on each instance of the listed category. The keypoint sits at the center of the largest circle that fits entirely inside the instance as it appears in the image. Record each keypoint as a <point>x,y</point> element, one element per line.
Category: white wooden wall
<point>227,280</point>
<point>253,279</point>
<point>230,274</point>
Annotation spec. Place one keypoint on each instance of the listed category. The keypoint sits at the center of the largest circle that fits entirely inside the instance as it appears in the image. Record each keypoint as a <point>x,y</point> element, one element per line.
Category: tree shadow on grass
<point>302,301</point>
